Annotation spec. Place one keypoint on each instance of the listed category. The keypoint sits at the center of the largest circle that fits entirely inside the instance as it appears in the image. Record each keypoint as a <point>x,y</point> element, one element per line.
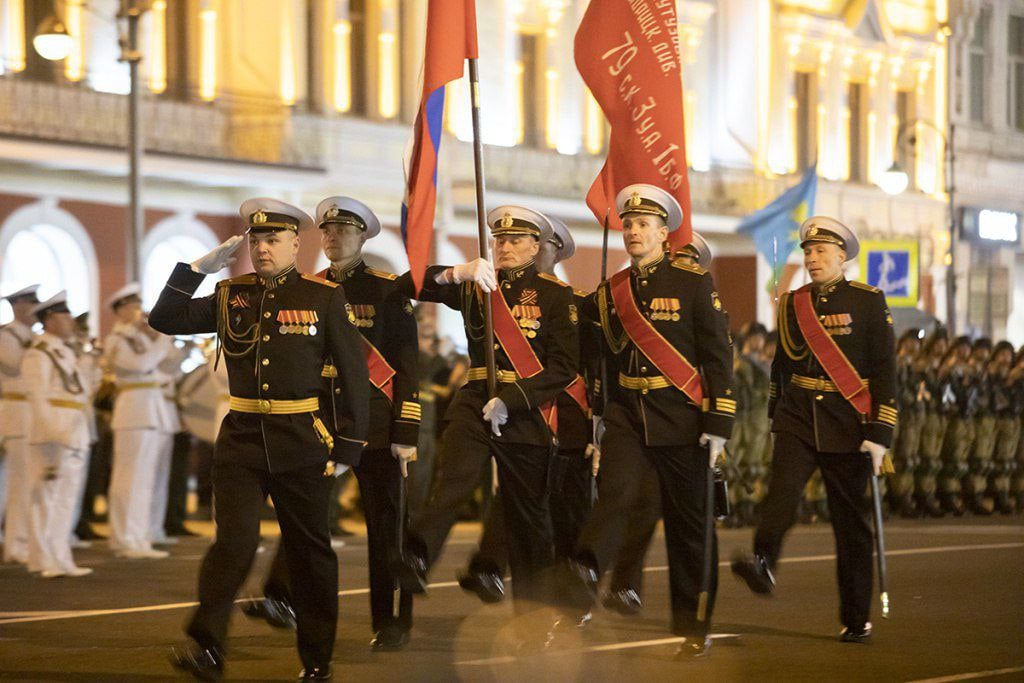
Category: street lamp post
<point>52,42</point>
<point>131,11</point>
<point>895,180</point>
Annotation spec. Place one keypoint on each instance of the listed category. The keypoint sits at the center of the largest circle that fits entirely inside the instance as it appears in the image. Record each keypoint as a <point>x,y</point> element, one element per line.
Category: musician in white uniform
<point>58,439</point>
<point>144,423</point>
<point>15,338</point>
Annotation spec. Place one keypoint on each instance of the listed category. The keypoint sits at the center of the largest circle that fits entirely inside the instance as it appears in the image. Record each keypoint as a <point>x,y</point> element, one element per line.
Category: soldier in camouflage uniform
<point>910,399</point>
<point>1017,478</point>
<point>933,428</point>
<point>1006,406</point>
<point>979,462</point>
<point>960,404</point>
<point>744,463</point>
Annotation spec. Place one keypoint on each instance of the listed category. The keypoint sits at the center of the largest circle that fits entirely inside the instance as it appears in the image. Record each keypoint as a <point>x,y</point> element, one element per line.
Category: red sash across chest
<point>380,371</point>
<point>672,364</point>
<point>518,350</point>
<point>828,353</point>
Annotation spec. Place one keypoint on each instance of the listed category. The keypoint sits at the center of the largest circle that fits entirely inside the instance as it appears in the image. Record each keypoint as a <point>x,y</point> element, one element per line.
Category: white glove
<point>405,455</point>
<point>715,444</point>
<point>479,271</point>
<point>496,412</point>
<point>220,258</point>
<point>877,453</point>
<point>335,469</point>
<point>594,453</point>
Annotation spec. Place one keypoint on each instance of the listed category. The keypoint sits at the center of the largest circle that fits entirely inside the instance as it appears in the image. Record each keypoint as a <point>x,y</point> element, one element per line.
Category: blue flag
<point>775,228</point>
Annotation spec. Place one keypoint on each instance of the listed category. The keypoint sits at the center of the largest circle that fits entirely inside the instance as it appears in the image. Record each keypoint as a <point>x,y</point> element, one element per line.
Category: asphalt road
<point>957,591</point>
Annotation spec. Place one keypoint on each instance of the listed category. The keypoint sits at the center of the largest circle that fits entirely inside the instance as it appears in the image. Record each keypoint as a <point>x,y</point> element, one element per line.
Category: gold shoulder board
<point>580,292</point>
<point>693,268</point>
<point>248,279</point>
<point>864,286</point>
<point>552,278</point>
<point>319,280</point>
<point>382,274</point>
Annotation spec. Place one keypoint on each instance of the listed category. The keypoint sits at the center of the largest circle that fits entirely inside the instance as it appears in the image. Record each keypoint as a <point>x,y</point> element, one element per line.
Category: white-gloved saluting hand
<point>877,453</point>
<point>220,258</point>
<point>404,455</point>
<point>496,412</point>
<point>479,270</point>
<point>715,444</point>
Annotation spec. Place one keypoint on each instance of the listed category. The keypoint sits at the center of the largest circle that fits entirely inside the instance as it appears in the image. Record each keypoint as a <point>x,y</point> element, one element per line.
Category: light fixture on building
<point>895,180</point>
<point>52,40</point>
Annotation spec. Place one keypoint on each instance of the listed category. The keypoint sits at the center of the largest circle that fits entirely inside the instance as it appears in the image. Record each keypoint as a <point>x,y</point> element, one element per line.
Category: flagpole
<point>481,223</point>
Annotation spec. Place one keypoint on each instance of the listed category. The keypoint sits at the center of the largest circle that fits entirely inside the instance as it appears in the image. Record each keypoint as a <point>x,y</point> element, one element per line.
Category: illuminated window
<point>172,241</point>
<point>533,89</point>
<point>906,150</point>
<point>41,244</point>
<point>857,102</point>
<point>977,67</point>
<point>806,138</point>
<point>1015,73</point>
<point>358,63</point>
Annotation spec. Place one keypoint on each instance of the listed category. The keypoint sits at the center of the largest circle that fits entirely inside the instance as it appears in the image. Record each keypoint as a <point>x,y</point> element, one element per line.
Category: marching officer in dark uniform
<point>662,320</point>
<point>625,586</point>
<point>571,469</point>
<point>833,402</point>
<point>537,356</point>
<point>384,316</point>
<point>276,329</point>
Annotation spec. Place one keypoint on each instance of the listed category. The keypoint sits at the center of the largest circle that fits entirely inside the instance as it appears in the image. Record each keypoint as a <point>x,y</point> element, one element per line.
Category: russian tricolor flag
<point>450,41</point>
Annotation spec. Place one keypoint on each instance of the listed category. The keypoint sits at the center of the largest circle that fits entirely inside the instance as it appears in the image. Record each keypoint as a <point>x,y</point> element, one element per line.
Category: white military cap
<point>263,214</point>
<point>700,250</point>
<point>347,211</point>
<point>650,199</point>
<point>518,220</point>
<point>28,293</point>
<point>58,303</point>
<point>130,291</point>
<point>562,238</point>
<point>825,229</point>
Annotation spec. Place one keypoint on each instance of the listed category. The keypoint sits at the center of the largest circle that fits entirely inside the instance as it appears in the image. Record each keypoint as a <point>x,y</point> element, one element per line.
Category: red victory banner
<point>627,52</point>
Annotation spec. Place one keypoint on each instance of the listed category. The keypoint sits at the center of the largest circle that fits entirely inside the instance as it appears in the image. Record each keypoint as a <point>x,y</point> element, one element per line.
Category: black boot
<point>277,613</point>
<point>952,503</point>
<point>906,508</point>
<point>486,585</point>
<point>856,635</point>
<point>977,505</point>
<point>1003,503</point>
<point>626,602</point>
<point>411,571</point>
<point>930,506</point>
<point>206,664</point>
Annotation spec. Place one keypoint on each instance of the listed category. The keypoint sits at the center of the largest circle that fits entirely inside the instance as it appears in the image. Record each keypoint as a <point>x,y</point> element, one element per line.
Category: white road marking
<point>972,675</point>
<point>609,647</point>
<point>27,617</point>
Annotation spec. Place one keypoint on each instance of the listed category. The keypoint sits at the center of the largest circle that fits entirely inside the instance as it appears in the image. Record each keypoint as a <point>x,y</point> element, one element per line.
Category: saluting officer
<point>537,356</point>
<point>571,469</point>
<point>59,391</point>
<point>833,402</point>
<point>15,338</point>
<point>277,329</point>
<point>670,391</point>
<point>384,316</point>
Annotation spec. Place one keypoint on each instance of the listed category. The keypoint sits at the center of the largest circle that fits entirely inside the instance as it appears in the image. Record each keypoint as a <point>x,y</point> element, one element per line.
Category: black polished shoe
<point>626,602</point>
<point>952,503</point>
<point>755,571</point>
<point>856,635</point>
<point>317,673</point>
<point>1003,504</point>
<point>586,573</point>
<point>978,507</point>
<point>389,639</point>
<point>694,648</point>
<point>338,531</point>
<point>180,530</point>
<point>277,613</point>
<point>411,572</point>
<point>204,664</point>
<point>488,586</point>
<point>85,532</point>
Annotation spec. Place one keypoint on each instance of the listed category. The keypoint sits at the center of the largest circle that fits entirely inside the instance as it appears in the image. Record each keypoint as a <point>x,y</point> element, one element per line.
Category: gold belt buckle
<point>643,385</point>
<point>263,406</point>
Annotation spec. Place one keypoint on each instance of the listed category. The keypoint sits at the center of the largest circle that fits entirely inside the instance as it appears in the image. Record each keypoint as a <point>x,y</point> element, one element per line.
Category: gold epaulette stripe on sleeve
<point>410,411</point>
<point>329,371</point>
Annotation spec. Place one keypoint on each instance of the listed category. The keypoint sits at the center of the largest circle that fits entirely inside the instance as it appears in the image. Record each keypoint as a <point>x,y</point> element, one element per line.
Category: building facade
<point>299,99</point>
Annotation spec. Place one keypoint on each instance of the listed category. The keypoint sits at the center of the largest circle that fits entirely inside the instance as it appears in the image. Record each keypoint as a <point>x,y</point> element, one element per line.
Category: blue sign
<point>892,267</point>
